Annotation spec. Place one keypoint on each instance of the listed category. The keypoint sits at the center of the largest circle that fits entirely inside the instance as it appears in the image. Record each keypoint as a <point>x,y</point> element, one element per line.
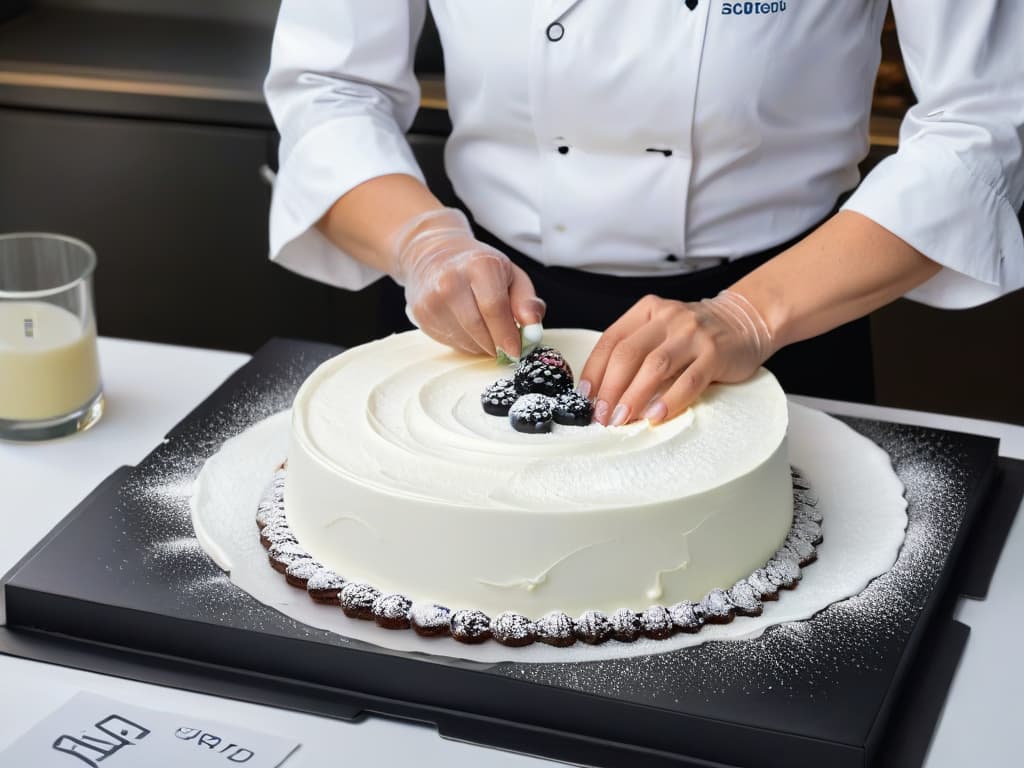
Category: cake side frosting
<point>396,476</point>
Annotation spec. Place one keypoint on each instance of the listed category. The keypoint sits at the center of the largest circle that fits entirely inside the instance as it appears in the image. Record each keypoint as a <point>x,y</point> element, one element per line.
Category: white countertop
<point>150,387</point>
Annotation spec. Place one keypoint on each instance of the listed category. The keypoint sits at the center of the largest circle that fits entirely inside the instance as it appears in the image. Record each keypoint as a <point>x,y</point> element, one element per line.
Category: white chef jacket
<point>607,135</point>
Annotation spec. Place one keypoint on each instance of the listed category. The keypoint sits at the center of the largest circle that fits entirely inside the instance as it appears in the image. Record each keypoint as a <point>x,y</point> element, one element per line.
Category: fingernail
<point>583,388</point>
<point>531,312</point>
<point>532,333</point>
<point>601,412</point>
<point>656,412</point>
<point>510,345</point>
<point>620,414</point>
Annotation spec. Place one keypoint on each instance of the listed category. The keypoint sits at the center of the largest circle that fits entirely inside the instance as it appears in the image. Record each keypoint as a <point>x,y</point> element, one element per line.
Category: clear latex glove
<point>736,310</point>
<point>657,359</point>
<point>458,290</point>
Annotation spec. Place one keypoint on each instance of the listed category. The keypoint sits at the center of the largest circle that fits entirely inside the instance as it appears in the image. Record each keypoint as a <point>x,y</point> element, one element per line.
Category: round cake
<point>398,478</point>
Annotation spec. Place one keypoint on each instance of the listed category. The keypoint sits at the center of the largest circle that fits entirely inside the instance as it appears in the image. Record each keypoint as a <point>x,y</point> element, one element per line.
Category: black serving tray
<point>121,587</point>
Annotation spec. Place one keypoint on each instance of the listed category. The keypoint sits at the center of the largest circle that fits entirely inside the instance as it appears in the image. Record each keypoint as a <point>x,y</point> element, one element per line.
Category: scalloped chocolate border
<point>394,611</point>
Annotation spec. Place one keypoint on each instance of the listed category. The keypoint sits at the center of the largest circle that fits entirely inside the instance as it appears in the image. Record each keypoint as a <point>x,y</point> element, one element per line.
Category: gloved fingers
<point>464,310</point>
<point>440,290</point>
<point>594,369</point>
<point>688,386</point>
<point>433,316</point>
<point>640,354</point>
<point>489,281</point>
<point>527,307</point>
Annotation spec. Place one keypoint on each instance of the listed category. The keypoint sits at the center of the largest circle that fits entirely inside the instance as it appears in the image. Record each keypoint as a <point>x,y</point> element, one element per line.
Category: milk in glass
<point>48,361</point>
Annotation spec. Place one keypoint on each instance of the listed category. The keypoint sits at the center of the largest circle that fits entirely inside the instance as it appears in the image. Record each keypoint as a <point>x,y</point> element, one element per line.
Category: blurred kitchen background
<point>140,127</point>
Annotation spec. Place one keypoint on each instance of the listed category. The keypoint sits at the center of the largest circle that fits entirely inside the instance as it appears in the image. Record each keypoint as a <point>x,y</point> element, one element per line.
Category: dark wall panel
<point>177,215</point>
<point>966,362</point>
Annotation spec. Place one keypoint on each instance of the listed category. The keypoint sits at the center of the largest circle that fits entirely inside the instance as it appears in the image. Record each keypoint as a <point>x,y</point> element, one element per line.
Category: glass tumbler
<point>49,366</point>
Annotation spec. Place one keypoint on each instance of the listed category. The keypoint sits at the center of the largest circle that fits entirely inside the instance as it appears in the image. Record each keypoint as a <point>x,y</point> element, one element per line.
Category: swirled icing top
<point>398,477</point>
<point>406,417</point>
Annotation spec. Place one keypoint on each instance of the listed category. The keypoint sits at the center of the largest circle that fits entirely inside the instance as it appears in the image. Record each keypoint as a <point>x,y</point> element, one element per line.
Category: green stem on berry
<point>529,338</point>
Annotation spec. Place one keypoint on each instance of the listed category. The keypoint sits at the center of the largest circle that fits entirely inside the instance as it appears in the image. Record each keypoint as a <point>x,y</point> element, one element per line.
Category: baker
<point>670,171</point>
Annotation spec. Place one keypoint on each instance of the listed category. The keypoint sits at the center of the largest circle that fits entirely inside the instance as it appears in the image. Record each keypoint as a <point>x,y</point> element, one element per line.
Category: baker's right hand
<point>460,291</point>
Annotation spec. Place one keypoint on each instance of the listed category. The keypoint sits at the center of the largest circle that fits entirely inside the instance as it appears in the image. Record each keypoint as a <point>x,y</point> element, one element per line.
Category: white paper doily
<point>861,500</point>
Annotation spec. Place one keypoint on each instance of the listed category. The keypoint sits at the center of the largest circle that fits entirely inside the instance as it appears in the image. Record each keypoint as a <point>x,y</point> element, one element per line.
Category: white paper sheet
<point>860,497</point>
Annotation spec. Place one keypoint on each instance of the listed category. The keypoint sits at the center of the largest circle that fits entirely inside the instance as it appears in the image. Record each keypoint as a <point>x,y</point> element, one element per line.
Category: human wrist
<point>772,303</point>
<point>746,319</point>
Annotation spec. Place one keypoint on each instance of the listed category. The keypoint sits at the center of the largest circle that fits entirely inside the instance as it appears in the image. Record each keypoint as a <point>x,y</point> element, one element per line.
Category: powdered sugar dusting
<point>788,659</point>
<point>805,657</point>
<point>156,506</point>
<point>865,525</point>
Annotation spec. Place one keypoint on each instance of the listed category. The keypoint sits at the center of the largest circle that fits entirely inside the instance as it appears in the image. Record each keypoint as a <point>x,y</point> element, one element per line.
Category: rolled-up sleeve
<point>343,94</point>
<point>954,188</point>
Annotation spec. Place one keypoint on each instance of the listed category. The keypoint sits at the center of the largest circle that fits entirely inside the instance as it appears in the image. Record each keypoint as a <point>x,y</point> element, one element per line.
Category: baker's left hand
<point>657,359</point>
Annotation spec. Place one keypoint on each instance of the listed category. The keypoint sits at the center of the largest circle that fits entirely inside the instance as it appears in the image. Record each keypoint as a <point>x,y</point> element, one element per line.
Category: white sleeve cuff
<point>327,162</point>
<point>926,196</point>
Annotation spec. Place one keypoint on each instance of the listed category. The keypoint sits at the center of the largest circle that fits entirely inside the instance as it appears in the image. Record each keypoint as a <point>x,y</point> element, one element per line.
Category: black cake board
<point>121,587</point>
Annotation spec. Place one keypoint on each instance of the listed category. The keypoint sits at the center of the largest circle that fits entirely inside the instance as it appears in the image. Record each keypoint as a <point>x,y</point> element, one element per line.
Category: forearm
<point>848,267</point>
<point>363,221</point>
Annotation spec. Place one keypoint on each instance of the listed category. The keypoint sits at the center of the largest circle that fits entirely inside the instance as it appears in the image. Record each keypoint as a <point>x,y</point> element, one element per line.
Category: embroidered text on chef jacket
<point>592,136</point>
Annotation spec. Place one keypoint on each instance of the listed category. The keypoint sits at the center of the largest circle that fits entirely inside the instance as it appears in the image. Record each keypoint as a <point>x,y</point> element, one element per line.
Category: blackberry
<point>540,376</point>
<point>573,410</point>
<point>498,397</point>
<point>548,354</point>
<point>531,414</point>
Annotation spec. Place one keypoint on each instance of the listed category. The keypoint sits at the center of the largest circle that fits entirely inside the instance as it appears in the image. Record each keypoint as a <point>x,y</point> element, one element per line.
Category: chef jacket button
<point>671,257</point>
<point>563,150</point>
<point>555,31</point>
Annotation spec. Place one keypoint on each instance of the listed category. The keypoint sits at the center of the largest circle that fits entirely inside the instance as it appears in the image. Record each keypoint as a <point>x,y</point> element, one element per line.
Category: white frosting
<point>860,495</point>
<point>398,477</point>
